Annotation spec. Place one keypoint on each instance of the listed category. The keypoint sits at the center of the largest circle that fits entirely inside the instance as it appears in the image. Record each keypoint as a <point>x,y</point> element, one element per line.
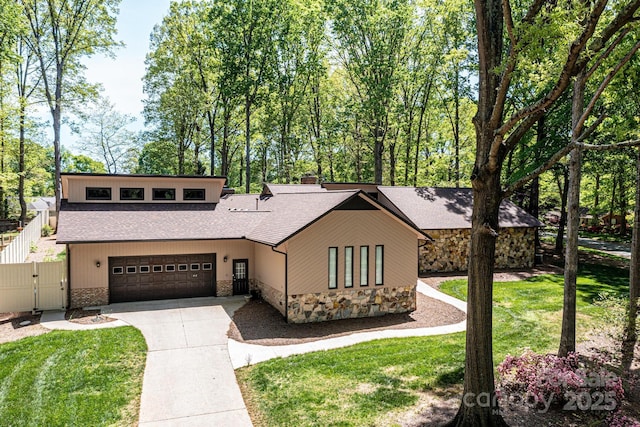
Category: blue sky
<point>122,76</point>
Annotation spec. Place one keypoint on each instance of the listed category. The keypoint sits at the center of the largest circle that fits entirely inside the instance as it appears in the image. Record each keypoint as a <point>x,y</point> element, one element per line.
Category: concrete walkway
<point>243,354</point>
<point>620,249</point>
<point>189,377</point>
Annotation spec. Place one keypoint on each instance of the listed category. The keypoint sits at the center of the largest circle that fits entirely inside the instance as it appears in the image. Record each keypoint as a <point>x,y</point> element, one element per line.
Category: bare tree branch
<point>587,111</point>
<point>564,78</point>
<point>587,133</point>
<point>562,153</point>
<point>606,54</point>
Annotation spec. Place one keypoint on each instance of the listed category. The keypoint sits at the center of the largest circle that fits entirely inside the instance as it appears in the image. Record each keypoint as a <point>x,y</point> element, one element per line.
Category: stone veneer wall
<point>350,303</point>
<point>87,297</point>
<point>515,248</point>
<point>270,295</point>
<point>224,288</point>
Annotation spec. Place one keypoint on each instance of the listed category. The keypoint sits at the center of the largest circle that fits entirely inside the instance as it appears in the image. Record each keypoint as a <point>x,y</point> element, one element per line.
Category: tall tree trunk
<point>613,199</point>
<point>564,190</point>
<point>378,151</point>
<point>596,196</point>
<point>534,190</point>
<point>57,157</point>
<point>479,406</point>
<point>456,128</point>
<point>393,159</point>
<point>247,135</point>
<point>630,337</point>
<point>211,120</point>
<point>21,168</point>
<point>3,199</point>
<point>568,332</point>
<point>416,158</point>
<point>225,149</point>
<point>407,145</point>
<point>623,204</point>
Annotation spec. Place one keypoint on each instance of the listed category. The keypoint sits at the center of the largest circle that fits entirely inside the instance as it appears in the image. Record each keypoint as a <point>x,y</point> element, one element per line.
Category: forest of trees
<point>346,90</point>
<point>536,101</point>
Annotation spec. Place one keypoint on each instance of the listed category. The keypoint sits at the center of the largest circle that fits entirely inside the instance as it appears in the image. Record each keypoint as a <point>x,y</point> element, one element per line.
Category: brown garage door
<point>161,277</point>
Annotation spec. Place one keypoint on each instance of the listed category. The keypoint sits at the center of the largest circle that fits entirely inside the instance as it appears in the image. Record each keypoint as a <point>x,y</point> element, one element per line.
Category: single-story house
<point>444,214</point>
<point>311,253</point>
<point>45,204</point>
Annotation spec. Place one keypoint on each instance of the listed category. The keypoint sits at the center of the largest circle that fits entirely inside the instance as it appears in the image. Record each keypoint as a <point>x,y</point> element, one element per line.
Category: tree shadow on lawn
<point>610,280</point>
<point>601,279</point>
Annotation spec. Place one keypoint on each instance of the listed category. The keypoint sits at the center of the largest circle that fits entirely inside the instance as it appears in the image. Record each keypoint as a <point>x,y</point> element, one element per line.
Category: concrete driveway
<point>188,378</point>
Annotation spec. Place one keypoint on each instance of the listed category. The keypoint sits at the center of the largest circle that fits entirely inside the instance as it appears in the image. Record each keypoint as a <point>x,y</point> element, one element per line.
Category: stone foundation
<point>350,303</point>
<point>515,248</point>
<point>87,297</point>
<point>224,288</point>
<point>271,295</point>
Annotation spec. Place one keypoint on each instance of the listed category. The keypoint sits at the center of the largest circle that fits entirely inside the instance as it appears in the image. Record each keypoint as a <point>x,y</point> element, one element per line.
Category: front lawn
<point>63,378</point>
<point>362,384</point>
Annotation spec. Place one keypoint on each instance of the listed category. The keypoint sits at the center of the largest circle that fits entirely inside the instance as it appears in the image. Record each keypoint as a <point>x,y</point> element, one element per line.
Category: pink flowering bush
<point>617,420</point>
<point>542,381</point>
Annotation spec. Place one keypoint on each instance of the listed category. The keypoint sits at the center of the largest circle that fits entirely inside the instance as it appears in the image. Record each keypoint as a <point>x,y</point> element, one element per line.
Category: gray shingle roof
<point>443,208</point>
<point>235,217</point>
<point>290,213</point>
<point>112,222</point>
<point>274,189</point>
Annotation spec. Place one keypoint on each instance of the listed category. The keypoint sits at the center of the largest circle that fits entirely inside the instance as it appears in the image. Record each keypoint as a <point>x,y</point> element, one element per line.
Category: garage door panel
<point>128,282</point>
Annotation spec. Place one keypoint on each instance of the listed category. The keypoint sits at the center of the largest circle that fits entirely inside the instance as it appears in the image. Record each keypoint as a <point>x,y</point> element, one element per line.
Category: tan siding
<point>85,274</point>
<point>269,267</point>
<point>308,251</point>
<point>74,187</point>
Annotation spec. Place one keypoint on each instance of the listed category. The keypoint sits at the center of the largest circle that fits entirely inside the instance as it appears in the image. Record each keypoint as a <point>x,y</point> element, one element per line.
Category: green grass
<point>79,378</point>
<point>362,384</point>
<point>602,254</point>
<point>607,237</point>
<point>60,256</point>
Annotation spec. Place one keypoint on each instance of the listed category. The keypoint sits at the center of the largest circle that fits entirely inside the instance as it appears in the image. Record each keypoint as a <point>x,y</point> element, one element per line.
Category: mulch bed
<point>257,322</point>
<point>11,328</point>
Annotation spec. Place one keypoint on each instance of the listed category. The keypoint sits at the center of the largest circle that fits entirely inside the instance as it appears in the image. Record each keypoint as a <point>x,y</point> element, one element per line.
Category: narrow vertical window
<point>348,267</point>
<point>364,265</point>
<point>379,264</point>
<point>333,268</point>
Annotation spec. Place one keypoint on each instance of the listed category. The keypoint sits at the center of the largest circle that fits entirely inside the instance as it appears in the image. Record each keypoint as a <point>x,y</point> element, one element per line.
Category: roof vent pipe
<point>257,200</point>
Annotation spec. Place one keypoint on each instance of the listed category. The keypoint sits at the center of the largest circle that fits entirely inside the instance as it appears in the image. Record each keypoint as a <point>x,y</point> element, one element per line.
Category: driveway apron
<point>188,379</point>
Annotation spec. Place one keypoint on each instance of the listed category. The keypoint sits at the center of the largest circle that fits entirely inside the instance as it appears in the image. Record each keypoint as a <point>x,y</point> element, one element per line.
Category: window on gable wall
<point>364,265</point>
<point>348,267</point>
<point>333,268</point>
<point>379,265</point>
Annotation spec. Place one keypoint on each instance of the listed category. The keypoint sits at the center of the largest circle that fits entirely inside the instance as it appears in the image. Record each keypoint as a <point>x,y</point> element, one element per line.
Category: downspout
<point>286,283</point>
<point>68,276</point>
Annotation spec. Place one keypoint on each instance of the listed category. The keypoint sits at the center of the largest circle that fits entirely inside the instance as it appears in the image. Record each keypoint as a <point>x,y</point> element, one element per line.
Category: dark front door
<point>240,276</point>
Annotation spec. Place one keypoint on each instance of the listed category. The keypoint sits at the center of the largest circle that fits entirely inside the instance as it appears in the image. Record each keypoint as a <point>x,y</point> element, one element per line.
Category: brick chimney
<point>308,178</point>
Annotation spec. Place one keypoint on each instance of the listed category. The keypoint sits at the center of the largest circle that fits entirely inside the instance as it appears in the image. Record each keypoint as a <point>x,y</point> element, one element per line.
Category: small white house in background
<point>40,204</point>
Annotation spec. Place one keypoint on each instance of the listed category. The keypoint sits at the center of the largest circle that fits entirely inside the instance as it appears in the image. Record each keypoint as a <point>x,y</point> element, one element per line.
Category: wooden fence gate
<point>33,286</point>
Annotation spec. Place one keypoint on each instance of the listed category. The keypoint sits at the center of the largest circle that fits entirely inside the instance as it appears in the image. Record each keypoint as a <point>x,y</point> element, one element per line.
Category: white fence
<point>18,249</point>
<point>33,286</point>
